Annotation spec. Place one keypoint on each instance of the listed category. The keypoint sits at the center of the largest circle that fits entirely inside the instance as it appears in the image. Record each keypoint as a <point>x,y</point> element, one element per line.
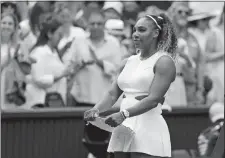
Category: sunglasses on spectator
<point>183,12</point>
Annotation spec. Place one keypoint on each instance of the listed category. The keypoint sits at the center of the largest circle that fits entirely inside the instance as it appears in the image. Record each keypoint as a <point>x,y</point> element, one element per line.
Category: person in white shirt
<point>48,73</point>
<point>100,53</point>
<point>70,32</point>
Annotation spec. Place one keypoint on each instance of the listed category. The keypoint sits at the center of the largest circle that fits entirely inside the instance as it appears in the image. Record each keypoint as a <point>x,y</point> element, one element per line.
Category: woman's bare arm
<point>112,95</point>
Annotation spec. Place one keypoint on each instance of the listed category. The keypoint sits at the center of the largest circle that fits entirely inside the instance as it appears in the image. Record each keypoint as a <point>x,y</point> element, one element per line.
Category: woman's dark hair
<point>167,39</point>
<point>37,10</point>
<point>50,23</point>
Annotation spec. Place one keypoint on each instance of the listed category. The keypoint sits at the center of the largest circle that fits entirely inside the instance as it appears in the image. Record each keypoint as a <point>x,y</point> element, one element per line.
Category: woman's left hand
<point>115,119</point>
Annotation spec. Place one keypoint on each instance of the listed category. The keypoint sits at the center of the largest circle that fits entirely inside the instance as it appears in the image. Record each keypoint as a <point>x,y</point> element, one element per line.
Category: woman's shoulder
<point>164,54</point>
<point>166,65</point>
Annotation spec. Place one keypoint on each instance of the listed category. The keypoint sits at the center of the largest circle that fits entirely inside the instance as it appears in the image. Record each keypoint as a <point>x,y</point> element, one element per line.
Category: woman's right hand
<point>91,114</point>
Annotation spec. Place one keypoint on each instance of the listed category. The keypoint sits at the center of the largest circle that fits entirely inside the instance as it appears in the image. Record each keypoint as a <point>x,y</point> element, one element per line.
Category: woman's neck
<point>152,49</point>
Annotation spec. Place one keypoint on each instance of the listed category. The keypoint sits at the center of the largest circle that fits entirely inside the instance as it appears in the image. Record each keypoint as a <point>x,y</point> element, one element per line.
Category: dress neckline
<point>139,57</point>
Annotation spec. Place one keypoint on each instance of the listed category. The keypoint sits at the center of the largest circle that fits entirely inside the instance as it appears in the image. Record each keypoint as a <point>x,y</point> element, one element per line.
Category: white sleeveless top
<point>151,132</point>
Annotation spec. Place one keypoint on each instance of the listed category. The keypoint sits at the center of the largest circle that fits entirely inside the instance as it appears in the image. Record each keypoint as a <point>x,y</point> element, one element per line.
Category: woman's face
<point>65,16</point>
<point>7,26</point>
<point>181,14</point>
<point>55,37</point>
<point>144,33</point>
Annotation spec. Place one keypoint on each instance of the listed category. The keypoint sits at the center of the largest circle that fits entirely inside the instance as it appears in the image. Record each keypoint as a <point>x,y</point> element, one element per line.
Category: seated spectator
<point>208,137</point>
<point>46,84</point>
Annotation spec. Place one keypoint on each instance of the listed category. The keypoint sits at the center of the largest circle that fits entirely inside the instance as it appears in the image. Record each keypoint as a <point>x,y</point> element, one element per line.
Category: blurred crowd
<point>67,54</point>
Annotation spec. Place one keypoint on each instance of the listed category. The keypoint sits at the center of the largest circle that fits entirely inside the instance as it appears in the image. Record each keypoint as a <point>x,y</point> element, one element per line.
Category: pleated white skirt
<point>149,133</point>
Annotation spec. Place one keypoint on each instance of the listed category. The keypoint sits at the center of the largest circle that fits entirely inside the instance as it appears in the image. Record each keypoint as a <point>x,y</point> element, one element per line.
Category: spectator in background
<point>48,73</point>
<point>129,16</point>
<point>100,55</point>
<point>192,71</point>
<point>176,95</point>
<point>131,10</point>
<point>215,60</point>
<point>199,27</point>
<point>115,27</point>
<point>70,32</point>
<point>36,13</point>
<point>80,19</point>
<point>113,10</point>
<point>208,137</point>
<point>11,75</point>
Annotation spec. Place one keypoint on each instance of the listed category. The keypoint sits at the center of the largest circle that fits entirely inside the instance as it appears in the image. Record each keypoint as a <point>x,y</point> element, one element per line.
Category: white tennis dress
<point>151,134</point>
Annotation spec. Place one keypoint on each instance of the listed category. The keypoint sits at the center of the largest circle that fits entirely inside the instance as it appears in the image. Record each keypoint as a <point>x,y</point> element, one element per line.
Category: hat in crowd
<point>198,15</point>
<point>216,111</point>
<point>117,6</point>
<point>115,26</point>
